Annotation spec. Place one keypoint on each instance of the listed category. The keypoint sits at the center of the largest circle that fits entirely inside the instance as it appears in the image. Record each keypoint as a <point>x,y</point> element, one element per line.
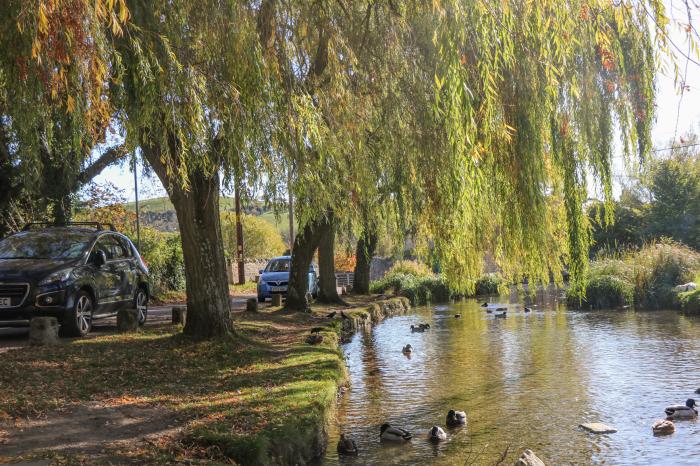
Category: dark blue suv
<point>77,273</point>
<point>274,279</point>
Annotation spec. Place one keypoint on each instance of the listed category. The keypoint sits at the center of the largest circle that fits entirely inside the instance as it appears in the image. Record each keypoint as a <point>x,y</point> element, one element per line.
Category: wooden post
<point>239,237</point>
<point>127,321</point>
<point>251,305</point>
<point>43,331</point>
<point>277,300</point>
<point>179,314</point>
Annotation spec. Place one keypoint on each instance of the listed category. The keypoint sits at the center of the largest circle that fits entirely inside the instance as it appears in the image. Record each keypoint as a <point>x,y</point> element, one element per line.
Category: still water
<point>526,381</point>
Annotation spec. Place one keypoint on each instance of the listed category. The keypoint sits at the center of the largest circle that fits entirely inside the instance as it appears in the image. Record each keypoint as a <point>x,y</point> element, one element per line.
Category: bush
<point>690,302</point>
<point>419,290</point>
<point>414,268</point>
<point>488,284</point>
<point>650,272</point>
<point>603,292</point>
<point>162,252</point>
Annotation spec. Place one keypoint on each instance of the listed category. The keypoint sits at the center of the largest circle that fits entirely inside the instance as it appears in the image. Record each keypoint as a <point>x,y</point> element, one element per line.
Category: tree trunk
<point>305,243</point>
<point>208,303</point>
<point>328,293</point>
<point>366,246</point>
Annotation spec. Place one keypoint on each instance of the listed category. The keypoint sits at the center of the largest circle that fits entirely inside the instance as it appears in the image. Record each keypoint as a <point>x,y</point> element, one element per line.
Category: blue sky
<point>664,128</point>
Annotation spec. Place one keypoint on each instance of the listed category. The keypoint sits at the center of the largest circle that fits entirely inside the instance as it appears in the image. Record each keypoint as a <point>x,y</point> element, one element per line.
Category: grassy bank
<point>644,278</point>
<point>264,397</point>
<point>420,285</point>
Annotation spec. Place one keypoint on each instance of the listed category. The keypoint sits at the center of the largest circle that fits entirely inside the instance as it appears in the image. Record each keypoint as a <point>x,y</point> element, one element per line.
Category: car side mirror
<point>260,271</point>
<point>100,259</point>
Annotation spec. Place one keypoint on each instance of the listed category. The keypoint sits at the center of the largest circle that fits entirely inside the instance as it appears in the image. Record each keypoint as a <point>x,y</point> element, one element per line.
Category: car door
<point>108,279</point>
<point>126,267</point>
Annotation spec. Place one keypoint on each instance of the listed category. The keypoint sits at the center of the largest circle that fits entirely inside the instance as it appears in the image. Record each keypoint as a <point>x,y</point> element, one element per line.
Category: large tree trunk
<point>328,293</point>
<point>208,303</point>
<point>305,243</point>
<point>366,246</point>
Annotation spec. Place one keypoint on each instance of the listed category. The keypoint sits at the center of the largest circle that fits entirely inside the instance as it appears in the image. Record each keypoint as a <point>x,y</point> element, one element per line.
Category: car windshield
<point>278,265</point>
<point>63,245</point>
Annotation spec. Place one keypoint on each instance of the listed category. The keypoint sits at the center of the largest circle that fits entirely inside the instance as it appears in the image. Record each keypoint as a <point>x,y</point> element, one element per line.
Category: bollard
<point>252,305</point>
<point>43,331</point>
<point>127,320</point>
<point>277,300</point>
<point>179,315</point>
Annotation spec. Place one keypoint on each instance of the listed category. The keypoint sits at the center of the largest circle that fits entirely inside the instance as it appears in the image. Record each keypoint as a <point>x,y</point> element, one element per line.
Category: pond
<point>526,381</point>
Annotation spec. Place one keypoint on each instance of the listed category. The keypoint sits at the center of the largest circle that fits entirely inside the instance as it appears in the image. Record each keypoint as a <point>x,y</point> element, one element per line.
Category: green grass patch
<point>690,302</point>
<point>262,397</point>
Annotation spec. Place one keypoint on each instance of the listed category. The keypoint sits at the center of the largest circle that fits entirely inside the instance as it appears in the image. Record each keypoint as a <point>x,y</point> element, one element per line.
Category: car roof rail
<point>96,225</point>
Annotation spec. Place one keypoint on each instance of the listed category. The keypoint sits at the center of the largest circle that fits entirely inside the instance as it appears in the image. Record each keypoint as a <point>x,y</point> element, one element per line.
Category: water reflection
<point>526,381</point>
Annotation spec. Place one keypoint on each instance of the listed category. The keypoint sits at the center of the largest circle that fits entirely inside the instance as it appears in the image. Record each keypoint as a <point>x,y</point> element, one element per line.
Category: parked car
<point>274,278</point>
<point>77,273</point>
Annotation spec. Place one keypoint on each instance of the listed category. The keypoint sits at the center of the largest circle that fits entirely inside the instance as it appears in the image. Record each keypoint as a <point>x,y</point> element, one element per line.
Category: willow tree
<point>191,94</point>
<point>524,104</point>
<point>54,104</point>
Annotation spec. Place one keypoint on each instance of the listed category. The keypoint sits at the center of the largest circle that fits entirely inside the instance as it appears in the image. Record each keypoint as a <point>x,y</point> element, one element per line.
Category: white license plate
<point>278,289</point>
<point>5,302</point>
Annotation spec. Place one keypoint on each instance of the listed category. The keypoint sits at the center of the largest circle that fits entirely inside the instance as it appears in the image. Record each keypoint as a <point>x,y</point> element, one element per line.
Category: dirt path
<point>89,428</point>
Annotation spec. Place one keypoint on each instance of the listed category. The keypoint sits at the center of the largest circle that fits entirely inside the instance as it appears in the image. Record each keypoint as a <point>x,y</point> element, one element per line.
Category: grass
<point>246,288</point>
<point>262,397</point>
<point>644,278</point>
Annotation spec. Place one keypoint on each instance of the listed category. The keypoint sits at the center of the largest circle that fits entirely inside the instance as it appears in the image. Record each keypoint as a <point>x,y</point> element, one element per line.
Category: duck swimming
<point>527,309</point>
<point>347,446</point>
<point>417,329</point>
<point>686,411</point>
<point>502,315</point>
<point>394,434</point>
<point>407,349</point>
<point>424,326</point>
<point>437,434</point>
<point>485,304</point>
<point>663,427</point>
<point>456,418</point>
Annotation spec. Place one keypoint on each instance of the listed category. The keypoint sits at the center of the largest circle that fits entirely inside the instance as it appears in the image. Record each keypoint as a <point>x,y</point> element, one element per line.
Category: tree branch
<point>109,157</point>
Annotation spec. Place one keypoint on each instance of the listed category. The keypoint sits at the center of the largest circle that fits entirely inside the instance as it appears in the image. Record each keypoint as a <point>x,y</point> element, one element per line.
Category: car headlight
<point>56,278</point>
<point>262,282</point>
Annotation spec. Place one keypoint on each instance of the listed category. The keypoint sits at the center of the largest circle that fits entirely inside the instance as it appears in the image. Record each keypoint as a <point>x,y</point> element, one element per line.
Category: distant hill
<point>159,213</point>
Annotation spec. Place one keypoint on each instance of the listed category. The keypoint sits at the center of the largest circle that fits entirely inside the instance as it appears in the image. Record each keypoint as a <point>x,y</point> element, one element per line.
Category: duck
<point>457,316</point>
<point>330,315</point>
<point>489,311</point>
<point>456,418</point>
<point>686,411</point>
<point>437,434</point>
<point>344,316</point>
<point>417,329</point>
<point>485,304</point>
<point>663,427</point>
<point>317,329</point>
<point>394,434</point>
<point>347,446</point>
<point>314,339</point>
<point>502,315</point>
<point>501,309</point>
<point>407,349</point>
<point>424,326</point>
<point>527,309</point>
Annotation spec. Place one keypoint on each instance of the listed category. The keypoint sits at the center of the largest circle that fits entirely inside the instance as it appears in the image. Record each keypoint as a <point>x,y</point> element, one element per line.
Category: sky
<point>672,112</point>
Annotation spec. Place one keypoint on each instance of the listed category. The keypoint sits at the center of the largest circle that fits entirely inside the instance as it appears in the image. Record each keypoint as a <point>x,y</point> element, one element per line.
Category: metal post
<point>239,237</point>
<point>138,213</point>
<point>291,209</point>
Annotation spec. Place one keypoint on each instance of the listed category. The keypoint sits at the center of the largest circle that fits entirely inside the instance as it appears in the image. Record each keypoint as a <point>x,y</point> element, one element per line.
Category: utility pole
<point>239,237</point>
<point>291,209</point>
<point>136,196</point>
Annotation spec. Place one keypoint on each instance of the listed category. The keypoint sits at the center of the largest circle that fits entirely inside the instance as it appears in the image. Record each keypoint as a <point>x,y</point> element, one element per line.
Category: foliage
<point>409,267</point>
<point>603,292</point>
<point>663,202</point>
<point>261,240</point>
<point>419,289</point>
<point>690,302</point>
<point>488,284</point>
<point>344,261</point>
<point>643,277</point>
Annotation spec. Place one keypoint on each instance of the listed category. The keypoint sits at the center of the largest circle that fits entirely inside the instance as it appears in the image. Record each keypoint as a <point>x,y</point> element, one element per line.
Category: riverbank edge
<point>355,319</point>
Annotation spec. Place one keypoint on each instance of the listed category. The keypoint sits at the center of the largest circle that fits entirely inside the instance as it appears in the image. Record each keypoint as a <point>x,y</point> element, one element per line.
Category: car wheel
<point>141,305</point>
<point>261,299</point>
<point>78,321</point>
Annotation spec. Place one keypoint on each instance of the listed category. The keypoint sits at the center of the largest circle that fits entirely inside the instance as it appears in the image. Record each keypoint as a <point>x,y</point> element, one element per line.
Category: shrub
<point>488,284</point>
<point>407,267</point>
<point>162,252</point>
<point>419,290</point>
<point>650,273</point>
<point>261,240</point>
<point>603,292</point>
<point>690,302</point>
